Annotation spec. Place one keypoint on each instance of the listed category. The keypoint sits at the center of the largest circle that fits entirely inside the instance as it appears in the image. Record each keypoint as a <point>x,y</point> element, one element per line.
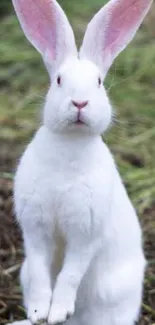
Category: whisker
<point>118,82</point>
<point>39,96</point>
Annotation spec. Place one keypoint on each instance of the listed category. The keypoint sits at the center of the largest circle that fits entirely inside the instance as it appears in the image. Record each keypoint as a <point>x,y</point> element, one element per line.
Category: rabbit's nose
<point>80,105</point>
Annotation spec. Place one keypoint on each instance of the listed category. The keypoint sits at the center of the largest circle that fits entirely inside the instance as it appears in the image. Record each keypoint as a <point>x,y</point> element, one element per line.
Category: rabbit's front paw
<point>22,322</point>
<point>59,313</point>
<point>38,310</point>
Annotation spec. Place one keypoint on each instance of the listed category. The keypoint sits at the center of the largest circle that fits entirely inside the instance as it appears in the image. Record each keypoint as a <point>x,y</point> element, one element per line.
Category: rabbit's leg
<point>124,313</point>
<point>116,293</point>
<point>36,272</point>
<point>74,320</point>
<point>24,280</point>
<point>79,253</point>
<point>22,322</point>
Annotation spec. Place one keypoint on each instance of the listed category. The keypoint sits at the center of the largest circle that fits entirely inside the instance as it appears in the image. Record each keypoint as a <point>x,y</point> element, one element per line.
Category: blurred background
<point>23,86</point>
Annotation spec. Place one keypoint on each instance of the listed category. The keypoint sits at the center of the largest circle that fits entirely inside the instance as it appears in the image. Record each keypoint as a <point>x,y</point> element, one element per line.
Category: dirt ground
<point>11,254</point>
<point>131,87</point>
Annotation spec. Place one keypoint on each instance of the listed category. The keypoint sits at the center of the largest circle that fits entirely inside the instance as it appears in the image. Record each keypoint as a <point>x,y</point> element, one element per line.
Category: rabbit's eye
<point>59,80</point>
<point>99,81</point>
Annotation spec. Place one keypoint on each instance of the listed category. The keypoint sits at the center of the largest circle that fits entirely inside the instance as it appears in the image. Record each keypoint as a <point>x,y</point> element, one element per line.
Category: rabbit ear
<point>47,28</point>
<point>111,30</point>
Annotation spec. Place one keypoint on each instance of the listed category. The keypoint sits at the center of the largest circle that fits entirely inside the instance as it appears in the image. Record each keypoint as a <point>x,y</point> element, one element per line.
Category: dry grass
<point>23,84</point>
<point>11,255</point>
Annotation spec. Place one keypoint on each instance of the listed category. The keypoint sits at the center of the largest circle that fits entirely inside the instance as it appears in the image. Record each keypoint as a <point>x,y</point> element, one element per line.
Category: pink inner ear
<point>38,20</point>
<point>124,17</point>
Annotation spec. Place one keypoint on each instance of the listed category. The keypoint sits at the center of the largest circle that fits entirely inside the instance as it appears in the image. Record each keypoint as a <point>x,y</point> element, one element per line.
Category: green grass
<point>131,87</point>
<point>130,84</point>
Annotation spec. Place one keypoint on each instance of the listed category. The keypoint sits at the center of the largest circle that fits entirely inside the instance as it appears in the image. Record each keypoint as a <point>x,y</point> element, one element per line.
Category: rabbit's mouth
<point>79,120</point>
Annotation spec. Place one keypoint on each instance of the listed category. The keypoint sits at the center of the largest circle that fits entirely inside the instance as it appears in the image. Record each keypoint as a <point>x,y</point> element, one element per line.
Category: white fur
<point>23,322</point>
<point>79,83</point>
<point>83,247</point>
<point>69,197</point>
<point>122,25</point>
<point>54,40</point>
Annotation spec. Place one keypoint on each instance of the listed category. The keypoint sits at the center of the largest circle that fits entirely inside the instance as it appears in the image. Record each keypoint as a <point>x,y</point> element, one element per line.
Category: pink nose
<point>80,105</point>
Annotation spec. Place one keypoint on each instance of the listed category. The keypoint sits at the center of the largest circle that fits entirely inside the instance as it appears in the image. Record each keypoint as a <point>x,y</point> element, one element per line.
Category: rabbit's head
<point>76,100</point>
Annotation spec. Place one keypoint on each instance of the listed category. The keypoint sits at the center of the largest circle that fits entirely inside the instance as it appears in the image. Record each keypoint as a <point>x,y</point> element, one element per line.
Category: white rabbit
<point>83,245</point>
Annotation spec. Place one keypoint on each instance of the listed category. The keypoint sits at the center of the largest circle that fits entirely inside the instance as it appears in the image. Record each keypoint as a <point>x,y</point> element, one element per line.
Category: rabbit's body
<point>83,248</point>
<point>68,186</point>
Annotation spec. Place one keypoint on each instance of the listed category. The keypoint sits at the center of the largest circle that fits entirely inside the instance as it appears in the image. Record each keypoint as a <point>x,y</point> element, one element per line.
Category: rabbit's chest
<point>72,197</point>
<point>59,189</point>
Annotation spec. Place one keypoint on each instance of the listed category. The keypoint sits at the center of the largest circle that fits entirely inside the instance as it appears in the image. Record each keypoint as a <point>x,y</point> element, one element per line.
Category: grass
<point>131,87</point>
<point>130,83</point>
